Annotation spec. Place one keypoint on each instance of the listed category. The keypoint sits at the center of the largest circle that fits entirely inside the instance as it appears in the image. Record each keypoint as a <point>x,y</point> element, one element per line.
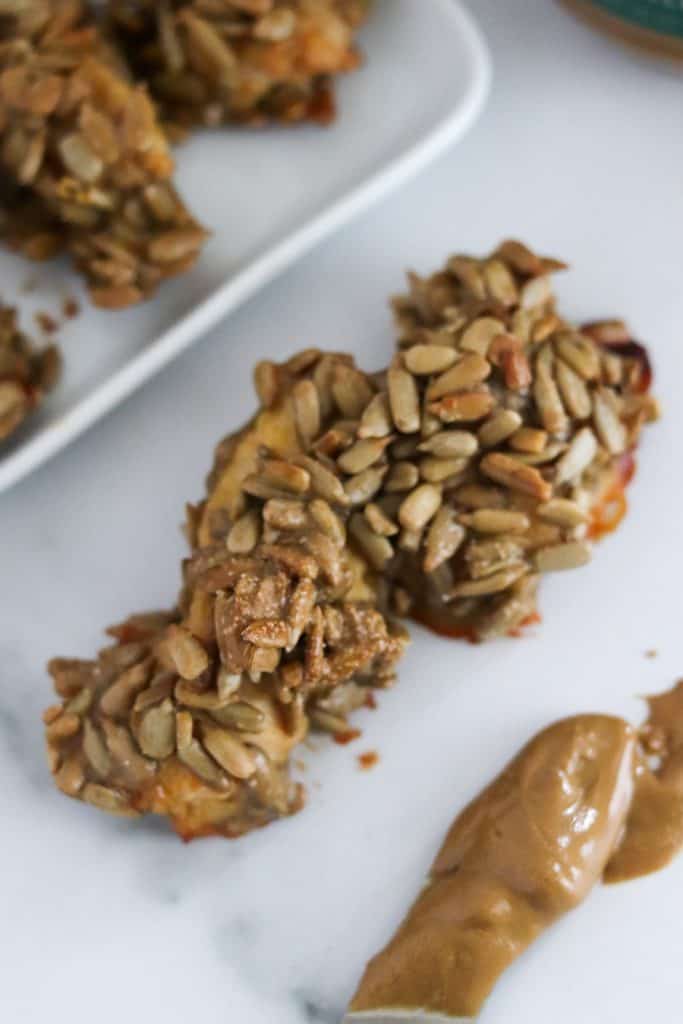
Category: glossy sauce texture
<point>579,803</point>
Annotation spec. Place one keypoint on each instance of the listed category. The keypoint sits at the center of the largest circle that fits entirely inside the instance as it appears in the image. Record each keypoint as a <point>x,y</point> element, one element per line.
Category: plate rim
<point>268,265</point>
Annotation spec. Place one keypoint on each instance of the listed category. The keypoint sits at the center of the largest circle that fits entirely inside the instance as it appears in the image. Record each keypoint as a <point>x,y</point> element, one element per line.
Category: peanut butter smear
<point>583,801</point>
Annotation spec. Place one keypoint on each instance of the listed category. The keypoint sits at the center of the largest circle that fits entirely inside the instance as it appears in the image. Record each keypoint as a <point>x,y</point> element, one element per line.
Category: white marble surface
<point>581,152</point>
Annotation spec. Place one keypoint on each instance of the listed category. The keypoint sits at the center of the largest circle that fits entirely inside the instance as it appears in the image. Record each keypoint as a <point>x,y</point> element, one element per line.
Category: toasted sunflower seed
<point>286,476</point>
<point>156,731</point>
<point>244,534</point>
<point>529,440</point>
<point>230,753</point>
<point>423,360</point>
<point>351,389</point>
<point>547,395</point>
<point>436,471</point>
<point>377,550</point>
<point>562,512</point>
<point>492,584</point>
<point>365,485</point>
<point>450,444</point>
<point>419,507</point>
<point>608,426</point>
<point>283,514</point>
<point>444,537</point>
<point>515,474</point>
<point>471,370</point>
<point>496,520</point>
<point>328,521</point>
<point>95,750</point>
<point>108,799</point>
<point>363,454</point>
<point>562,556</point>
<point>480,333</point>
<point>464,407</point>
<point>581,452</point>
<point>402,476</point>
<point>403,400</point>
<point>575,394</point>
<point>499,427</point>
<point>323,481</point>
<point>185,651</point>
<point>581,354</point>
<point>376,418</point>
<point>306,410</point>
<point>379,521</point>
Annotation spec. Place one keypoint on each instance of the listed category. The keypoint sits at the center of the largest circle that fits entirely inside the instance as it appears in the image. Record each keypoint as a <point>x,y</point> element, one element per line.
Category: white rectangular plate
<point>268,197</point>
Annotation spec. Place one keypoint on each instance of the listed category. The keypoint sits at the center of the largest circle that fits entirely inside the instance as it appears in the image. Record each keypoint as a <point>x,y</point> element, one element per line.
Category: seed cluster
<point>250,61</point>
<point>84,158</point>
<point>26,374</point>
<point>442,487</point>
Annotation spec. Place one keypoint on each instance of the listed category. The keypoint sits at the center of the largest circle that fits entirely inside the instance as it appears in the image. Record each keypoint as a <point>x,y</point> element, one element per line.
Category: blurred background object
<point>655,26</point>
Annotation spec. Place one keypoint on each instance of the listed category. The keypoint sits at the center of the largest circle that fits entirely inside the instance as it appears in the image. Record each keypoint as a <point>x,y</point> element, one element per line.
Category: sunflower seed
<point>480,333</point>
<point>306,410</point>
<point>362,454</point>
<point>286,476</point>
<point>156,731</point>
<point>492,584</point>
<point>244,534</point>
<point>436,471</point>
<point>95,750</point>
<point>241,716</point>
<point>480,496</point>
<point>197,760</point>
<point>419,507</point>
<point>378,521</point>
<point>284,514</point>
<point>117,700</point>
<point>608,426</point>
<point>444,537</point>
<point>107,799</point>
<point>403,400</point>
<point>563,512</point>
<point>266,383</point>
<point>500,283</point>
<point>575,394</point>
<point>529,439</point>
<point>185,651</point>
<point>471,370</point>
<point>227,684</point>
<point>376,420</point>
<point>328,521</point>
<point>230,753</point>
<point>301,605</point>
<point>499,427</point>
<point>402,476</point>
<point>323,481</point>
<point>536,292</point>
<point>515,474</point>
<point>377,550</point>
<point>365,485</point>
<point>467,406</point>
<point>562,556</point>
<point>351,390</point>
<point>450,444</point>
<point>581,452</point>
<point>580,353</point>
<point>63,728</point>
<point>496,520</point>
<point>423,360</point>
<point>546,394</point>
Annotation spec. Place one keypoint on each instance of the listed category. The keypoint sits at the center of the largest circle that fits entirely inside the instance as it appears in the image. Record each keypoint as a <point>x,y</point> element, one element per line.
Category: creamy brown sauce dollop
<point>589,798</point>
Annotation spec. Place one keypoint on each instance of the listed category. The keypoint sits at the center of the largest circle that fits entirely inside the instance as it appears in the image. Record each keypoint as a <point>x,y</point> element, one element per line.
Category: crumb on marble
<point>368,760</point>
